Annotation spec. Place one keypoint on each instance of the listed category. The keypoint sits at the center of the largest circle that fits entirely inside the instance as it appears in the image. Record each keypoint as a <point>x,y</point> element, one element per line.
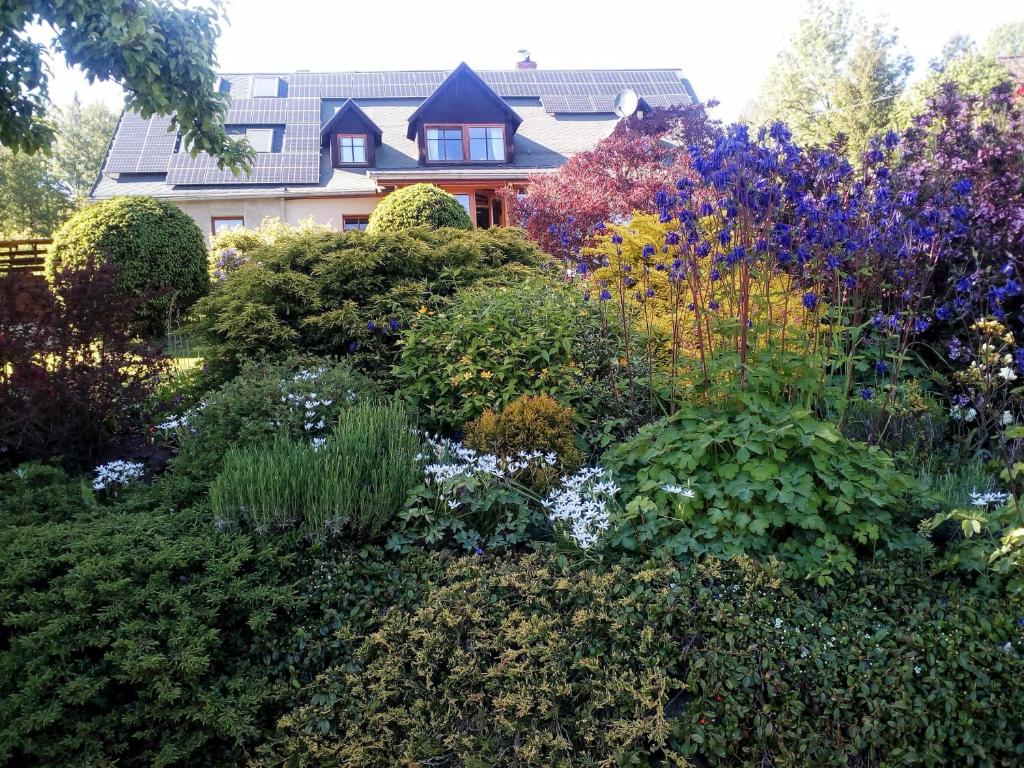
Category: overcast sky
<point>724,48</point>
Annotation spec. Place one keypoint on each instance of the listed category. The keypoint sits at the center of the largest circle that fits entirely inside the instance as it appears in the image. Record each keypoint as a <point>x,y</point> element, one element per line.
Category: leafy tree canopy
<point>974,70</point>
<point>837,75</point>
<point>161,52</point>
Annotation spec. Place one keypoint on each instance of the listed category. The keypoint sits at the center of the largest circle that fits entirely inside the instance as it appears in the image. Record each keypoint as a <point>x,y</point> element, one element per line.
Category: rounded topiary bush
<point>416,206</point>
<point>158,250</point>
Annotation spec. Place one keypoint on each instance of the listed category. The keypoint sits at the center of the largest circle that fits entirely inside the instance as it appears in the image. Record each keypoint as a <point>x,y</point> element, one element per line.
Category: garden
<point>717,460</point>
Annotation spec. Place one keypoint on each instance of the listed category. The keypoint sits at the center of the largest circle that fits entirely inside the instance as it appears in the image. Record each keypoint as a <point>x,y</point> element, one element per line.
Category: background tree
<point>974,70</point>
<point>33,201</point>
<point>162,53</point>
<point>39,191</point>
<point>831,79</point>
<point>83,134</point>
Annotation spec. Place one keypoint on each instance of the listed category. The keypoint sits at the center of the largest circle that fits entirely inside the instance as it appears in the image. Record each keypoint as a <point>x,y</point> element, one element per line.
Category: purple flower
<point>943,313</point>
<point>810,301</point>
<point>962,187</point>
<point>881,367</point>
<point>648,251</point>
<point>617,238</point>
<point>606,295</point>
<point>867,393</point>
<point>713,305</point>
<point>371,326</point>
<point>393,324</point>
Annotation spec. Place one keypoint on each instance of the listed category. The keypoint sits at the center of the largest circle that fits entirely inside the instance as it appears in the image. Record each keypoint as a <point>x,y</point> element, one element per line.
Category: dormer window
<point>352,149</point>
<point>444,144</point>
<point>487,143</point>
<point>265,87</point>
<point>456,143</point>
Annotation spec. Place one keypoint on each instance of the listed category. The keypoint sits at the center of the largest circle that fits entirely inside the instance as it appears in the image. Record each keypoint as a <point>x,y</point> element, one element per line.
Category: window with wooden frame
<point>352,149</point>
<point>457,143</point>
<point>354,223</point>
<point>220,224</point>
<point>444,144</point>
<point>487,143</point>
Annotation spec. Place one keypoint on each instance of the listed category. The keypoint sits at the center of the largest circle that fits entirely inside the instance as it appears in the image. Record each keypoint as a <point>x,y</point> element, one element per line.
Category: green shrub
<point>301,398</point>
<point>38,493</point>
<point>356,479</point>
<point>132,637</point>
<point>528,424</point>
<point>158,250</point>
<point>527,661</point>
<point>333,293</point>
<point>418,205</point>
<point>491,345</point>
<point>758,480</point>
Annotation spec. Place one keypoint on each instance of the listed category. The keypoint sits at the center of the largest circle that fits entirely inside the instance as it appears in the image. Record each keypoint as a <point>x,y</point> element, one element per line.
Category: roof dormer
<point>464,122</point>
<point>352,136</point>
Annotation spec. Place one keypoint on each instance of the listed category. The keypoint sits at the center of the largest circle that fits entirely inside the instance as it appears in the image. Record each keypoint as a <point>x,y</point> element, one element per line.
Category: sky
<point>723,48</point>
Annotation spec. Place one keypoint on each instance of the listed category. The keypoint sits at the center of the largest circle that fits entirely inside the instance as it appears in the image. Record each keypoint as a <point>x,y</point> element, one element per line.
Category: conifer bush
<point>418,205</point>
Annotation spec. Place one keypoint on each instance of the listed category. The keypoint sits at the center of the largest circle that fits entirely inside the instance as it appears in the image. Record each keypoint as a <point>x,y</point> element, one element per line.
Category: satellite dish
<point>626,102</point>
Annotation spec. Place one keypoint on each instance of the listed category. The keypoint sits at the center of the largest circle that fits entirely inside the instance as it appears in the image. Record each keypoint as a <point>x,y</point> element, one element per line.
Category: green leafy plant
<point>529,660</point>
<point>759,479</point>
<point>355,479</point>
<point>492,345</point>
<point>418,205</point>
<point>158,250</point>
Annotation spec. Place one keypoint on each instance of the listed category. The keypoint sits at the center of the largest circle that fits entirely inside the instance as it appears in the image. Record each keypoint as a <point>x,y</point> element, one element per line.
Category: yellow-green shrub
<point>528,423</point>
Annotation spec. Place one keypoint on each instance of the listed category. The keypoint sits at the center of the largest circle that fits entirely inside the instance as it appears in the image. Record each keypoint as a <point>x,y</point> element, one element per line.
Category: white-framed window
<point>265,87</point>
<point>487,143</point>
<point>352,149</point>
<point>220,224</point>
<point>261,139</point>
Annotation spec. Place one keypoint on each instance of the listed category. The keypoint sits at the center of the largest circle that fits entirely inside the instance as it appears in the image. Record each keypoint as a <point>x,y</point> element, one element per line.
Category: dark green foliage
<point>765,479</point>
<point>38,493</point>
<point>527,661</point>
<point>129,637</point>
<point>491,345</point>
<point>418,205</point>
<point>265,400</point>
<point>157,249</point>
<point>337,293</point>
<point>354,480</point>
<point>161,53</point>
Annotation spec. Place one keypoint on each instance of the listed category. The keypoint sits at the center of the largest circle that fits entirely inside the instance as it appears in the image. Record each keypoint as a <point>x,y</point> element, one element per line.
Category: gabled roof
<point>350,108</point>
<point>463,70</point>
<point>563,111</point>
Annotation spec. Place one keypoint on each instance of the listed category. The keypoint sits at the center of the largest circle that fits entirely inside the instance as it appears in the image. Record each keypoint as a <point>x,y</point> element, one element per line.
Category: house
<point>331,145</point>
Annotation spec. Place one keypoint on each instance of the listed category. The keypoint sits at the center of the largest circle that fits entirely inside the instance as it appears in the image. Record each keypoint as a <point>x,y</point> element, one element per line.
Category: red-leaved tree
<point>618,176</point>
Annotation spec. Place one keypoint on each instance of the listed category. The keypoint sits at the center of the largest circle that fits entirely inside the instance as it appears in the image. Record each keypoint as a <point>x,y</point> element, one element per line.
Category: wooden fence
<point>23,255</point>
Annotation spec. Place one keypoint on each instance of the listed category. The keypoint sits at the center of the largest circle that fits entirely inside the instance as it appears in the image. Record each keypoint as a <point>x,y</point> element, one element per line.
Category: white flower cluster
<point>678,490</point>
<point>988,498</point>
<point>581,503</point>
<point>183,421</point>
<point>310,404</point>
<point>452,461</point>
<point>962,413</point>
<point>117,473</point>
<point>1006,419</point>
